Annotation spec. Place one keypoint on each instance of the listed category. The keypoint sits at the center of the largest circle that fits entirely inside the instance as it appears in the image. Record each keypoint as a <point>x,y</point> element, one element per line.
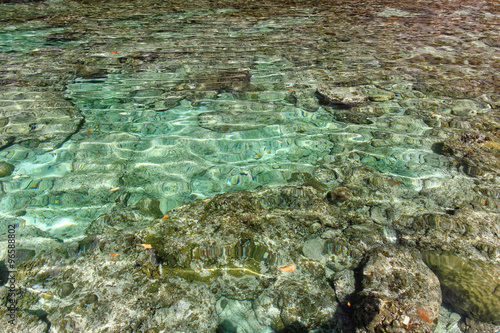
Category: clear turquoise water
<point>183,103</point>
<point>223,142</point>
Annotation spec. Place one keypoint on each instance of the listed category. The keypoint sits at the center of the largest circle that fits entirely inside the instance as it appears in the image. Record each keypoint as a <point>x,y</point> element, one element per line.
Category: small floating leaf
<point>287,268</point>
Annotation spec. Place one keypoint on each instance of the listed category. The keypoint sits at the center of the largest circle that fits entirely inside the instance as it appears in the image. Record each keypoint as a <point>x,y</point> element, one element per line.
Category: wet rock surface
<point>470,286</point>
<point>349,139</point>
<point>347,96</point>
<point>6,169</point>
<point>399,293</point>
<point>186,272</point>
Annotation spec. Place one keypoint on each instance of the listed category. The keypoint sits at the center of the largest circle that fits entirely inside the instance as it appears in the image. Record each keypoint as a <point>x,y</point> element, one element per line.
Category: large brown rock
<point>400,293</point>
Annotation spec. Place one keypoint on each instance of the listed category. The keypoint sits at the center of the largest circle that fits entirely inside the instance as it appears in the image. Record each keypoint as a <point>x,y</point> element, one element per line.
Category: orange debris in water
<point>348,303</point>
<point>288,268</point>
<point>114,52</point>
<point>113,254</point>
<point>165,216</point>
<point>424,315</point>
<point>146,246</point>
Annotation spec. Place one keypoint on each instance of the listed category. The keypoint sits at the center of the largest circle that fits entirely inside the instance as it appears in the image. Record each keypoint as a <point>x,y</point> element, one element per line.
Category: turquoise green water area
<point>133,141</point>
<point>252,166</point>
<point>177,105</point>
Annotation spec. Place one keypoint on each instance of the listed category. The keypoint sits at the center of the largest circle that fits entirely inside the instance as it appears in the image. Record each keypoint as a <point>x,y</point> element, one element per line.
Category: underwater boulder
<point>347,96</point>
<point>296,302</point>
<point>471,287</point>
<point>338,195</point>
<point>224,80</point>
<point>399,292</point>
<point>36,119</point>
<point>378,95</point>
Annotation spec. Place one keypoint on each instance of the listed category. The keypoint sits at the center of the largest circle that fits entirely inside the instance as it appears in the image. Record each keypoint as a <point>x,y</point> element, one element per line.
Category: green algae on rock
<point>6,169</point>
<point>471,287</point>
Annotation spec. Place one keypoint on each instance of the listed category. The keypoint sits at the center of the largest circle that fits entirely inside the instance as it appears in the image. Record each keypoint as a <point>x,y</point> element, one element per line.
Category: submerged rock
<point>219,81</point>
<point>149,207</point>
<point>348,96</point>
<point>174,271</point>
<point>230,121</point>
<point>245,246</point>
<point>225,80</point>
<point>476,153</point>
<point>471,287</point>
<point>344,284</point>
<point>36,119</point>
<point>338,195</point>
<point>353,117</point>
<point>66,289</point>
<point>294,303</point>
<point>90,73</point>
<point>304,99</point>
<point>6,169</point>
<point>378,95</point>
<point>399,292</point>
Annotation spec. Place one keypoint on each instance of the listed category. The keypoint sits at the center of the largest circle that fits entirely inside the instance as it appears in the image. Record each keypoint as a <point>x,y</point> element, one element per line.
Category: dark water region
<point>250,166</point>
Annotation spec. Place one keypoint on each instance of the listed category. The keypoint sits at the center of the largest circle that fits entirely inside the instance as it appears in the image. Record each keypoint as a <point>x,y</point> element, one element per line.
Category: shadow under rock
<point>296,327</point>
<point>4,273</point>
<point>341,321</point>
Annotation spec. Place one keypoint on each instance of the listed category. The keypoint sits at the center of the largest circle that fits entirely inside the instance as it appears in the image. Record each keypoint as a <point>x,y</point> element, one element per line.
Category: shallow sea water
<point>162,104</point>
